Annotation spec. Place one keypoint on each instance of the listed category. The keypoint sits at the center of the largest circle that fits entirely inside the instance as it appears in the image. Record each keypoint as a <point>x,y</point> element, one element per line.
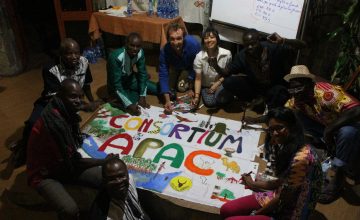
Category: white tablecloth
<point>192,11</point>
<point>195,11</point>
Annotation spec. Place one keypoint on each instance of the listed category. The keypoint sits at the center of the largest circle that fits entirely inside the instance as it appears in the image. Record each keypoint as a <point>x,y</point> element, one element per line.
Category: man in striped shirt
<point>119,199</point>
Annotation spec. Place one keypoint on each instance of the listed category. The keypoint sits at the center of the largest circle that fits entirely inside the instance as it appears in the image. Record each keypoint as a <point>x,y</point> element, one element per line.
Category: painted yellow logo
<point>181,183</point>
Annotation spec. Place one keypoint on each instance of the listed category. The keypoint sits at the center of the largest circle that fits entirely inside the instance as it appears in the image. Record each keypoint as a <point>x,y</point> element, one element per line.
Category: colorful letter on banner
<point>232,140</point>
<point>147,143</point>
<point>125,149</point>
<point>113,120</point>
<point>177,160</point>
<point>189,162</point>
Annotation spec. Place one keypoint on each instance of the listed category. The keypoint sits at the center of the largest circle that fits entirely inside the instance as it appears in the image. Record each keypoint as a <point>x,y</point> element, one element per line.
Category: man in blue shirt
<point>176,64</point>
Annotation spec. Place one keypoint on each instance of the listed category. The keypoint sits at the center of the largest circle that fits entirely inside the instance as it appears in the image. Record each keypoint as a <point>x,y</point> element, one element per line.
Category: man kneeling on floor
<point>53,159</point>
<point>128,88</point>
<point>119,199</point>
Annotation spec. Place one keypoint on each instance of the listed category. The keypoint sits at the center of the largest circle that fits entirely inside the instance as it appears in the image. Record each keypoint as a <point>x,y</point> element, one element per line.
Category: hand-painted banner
<point>195,157</point>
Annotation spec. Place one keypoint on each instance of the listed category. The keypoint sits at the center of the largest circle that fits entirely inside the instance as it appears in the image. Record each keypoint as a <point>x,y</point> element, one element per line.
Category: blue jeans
<point>53,191</point>
<point>348,145</point>
<point>347,140</point>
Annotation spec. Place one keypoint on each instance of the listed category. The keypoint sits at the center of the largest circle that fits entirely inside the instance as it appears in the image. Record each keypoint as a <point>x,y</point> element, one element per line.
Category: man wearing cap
<point>329,114</point>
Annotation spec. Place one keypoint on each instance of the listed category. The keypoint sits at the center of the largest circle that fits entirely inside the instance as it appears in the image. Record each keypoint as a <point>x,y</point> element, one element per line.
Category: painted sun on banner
<point>195,157</point>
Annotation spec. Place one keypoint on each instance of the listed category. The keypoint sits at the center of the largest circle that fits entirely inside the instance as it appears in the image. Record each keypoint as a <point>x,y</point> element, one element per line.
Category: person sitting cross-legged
<point>256,72</point>
<point>52,157</point>
<point>208,83</point>
<point>294,192</point>
<point>118,200</point>
<point>128,88</point>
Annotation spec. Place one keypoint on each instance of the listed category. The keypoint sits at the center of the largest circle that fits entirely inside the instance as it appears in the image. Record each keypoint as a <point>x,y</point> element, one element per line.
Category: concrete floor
<point>17,95</point>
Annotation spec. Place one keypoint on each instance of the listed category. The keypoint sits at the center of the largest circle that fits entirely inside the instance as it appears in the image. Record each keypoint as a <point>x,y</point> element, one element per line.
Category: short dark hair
<point>133,35</point>
<point>65,84</point>
<point>174,27</point>
<point>253,32</point>
<point>210,30</point>
<point>65,43</point>
<point>282,114</point>
<point>113,160</point>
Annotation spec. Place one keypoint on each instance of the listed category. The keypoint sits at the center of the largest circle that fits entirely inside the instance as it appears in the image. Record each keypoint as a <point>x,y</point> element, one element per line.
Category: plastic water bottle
<point>100,45</point>
<point>151,10</point>
<point>176,8</point>
<point>89,54</point>
<point>162,8</point>
<point>171,9</point>
<point>159,8</point>
<point>98,51</point>
<point>129,8</point>
<point>167,9</point>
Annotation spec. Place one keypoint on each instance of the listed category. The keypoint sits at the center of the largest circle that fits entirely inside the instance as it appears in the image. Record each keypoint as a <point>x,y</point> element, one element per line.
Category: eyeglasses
<point>296,90</point>
<point>277,128</point>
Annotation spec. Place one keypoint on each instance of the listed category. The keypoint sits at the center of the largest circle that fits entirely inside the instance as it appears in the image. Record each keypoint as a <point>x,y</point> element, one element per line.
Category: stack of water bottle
<point>168,8</point>
<point>93,53</point>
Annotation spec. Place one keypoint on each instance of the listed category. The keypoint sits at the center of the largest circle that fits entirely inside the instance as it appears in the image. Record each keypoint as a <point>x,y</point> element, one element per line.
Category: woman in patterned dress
<point>294,192</point>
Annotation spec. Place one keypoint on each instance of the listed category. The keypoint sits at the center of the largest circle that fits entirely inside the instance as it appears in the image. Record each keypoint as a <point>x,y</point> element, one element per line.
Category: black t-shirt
<point>280,60</point>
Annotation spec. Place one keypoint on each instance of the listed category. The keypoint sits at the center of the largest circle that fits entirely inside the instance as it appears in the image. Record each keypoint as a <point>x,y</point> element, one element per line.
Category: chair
<point>63,16</point>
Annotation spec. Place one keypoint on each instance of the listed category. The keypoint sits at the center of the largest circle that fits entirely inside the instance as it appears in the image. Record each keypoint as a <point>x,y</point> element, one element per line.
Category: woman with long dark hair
<point>294,192</point>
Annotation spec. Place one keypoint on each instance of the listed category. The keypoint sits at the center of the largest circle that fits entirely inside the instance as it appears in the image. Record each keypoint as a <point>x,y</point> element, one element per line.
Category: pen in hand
<point>242,179</point>
<point>249,173</point>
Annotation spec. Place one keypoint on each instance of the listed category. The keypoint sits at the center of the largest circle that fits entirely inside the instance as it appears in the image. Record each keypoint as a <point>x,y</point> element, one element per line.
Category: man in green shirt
<point>128,87</point>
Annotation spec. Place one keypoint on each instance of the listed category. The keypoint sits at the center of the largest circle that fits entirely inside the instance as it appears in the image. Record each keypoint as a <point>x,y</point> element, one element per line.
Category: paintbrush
<point>208,122</point>
<point>242,120</point>
<point>249,127</point>
<point>242,179</point>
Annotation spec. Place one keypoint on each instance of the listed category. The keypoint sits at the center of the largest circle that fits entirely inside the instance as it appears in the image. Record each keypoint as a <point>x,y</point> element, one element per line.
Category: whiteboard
<point>268,16</point>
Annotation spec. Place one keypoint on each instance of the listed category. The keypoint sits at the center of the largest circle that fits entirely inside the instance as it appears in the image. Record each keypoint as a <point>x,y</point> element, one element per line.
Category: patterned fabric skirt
<point>209,99</point>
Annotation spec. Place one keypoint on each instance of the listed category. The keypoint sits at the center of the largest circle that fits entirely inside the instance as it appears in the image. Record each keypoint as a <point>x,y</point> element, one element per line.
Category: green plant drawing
<point>99,129</point>
<point>140,164</point>
<point>220,175</point>
<point>113,111</point>
<point>227,194</point>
